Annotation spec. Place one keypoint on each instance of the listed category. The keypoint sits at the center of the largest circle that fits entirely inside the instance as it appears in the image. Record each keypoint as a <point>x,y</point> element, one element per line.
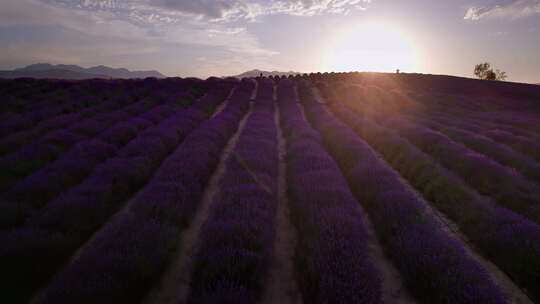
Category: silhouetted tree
<point>484,71</point>
<point>501,75</point>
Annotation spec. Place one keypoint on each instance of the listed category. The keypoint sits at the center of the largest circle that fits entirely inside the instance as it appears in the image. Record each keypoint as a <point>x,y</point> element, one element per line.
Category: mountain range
<point>63,71</point>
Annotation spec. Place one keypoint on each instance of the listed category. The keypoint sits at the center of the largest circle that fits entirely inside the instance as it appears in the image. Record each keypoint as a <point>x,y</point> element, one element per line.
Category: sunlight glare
<point>373,47</point>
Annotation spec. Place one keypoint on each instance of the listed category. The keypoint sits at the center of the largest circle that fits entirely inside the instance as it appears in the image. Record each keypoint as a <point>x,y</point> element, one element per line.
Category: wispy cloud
<point>171,11</point>
<point>121,20</point>
<point>505,9</point>
<point>145,34</point>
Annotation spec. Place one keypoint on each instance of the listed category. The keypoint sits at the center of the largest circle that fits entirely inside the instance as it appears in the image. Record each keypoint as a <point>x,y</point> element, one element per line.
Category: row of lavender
<point>125,258</point>
<point>11,142</point>
<point>504,184</point>
<point>481,143</point>
<point>15,141</point>
<point>332,260</point>
<point>40,150</point>
<point>521,136</point>
<point>525,144</point>
<point>489,115</point>
<point>237,238</point>
<point>518,138</point>
<point>23,96</point>
<point>37,248</point>
<point>507,105</point>
<point>84,98</point>
<point>492,169</point>
<point>434,265</point>
<point>73,166</point>
<point>521,122</point>
<point>36,190</point>
<point>509,240</point>
<point>455,112</point>
<point>27,103</point>
<point>36,101</point>
<point>484,124</point>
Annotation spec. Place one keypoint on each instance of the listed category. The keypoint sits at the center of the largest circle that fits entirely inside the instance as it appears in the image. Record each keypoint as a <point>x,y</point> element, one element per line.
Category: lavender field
<point>314,188</point>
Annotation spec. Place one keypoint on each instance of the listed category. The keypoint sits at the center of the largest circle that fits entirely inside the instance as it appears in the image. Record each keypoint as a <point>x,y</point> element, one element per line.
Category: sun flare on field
<point>373,47</point>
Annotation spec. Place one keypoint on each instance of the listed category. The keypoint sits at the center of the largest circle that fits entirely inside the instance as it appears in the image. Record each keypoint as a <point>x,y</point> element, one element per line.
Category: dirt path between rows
<point>281,284</point>
<point>222,105</point>
<point>317,94</point>
<point>174,284</point>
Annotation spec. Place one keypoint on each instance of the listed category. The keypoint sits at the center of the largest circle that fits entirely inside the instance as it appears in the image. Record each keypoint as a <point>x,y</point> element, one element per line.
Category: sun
<point>373,47</point>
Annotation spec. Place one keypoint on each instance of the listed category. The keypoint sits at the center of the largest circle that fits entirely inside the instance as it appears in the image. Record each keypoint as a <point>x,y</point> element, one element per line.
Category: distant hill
<point>51,74</point>
<point>256,73</point>
<point>63,71</point>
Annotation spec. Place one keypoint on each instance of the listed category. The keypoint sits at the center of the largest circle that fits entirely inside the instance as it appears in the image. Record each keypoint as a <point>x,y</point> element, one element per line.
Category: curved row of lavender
<point>524,148</point>
<point>507,113</point>
<point>510,146</point>
<point>45,241</point>
<point>43,105</point>
<point>34,155</point>
<point>505,185</point>
<point>501,153</point>
<point>34,191</point>
<point>29,103</point>
<point>435,266</point>
<point>526,144</point>
<point>512,107</point>
<point>518,143</point>
<point>480,125</point>
<point>332,260</point>
<point>79,100</point>
<point>47,148</point>
<point>508,239</point>
<point>517,121</point>
<point>480,118</point>
<point>236,239</point>
<point>488,175</point>
<point>127,256</point>
<point>15,140</point>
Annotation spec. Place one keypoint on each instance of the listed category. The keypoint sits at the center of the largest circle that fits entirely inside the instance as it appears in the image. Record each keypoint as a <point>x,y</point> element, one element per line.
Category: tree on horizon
<point>485,72</point>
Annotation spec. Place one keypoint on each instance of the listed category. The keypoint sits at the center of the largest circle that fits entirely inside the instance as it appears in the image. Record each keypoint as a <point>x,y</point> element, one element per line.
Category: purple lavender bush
<point>73,216</point>
<point>135,257</point>
<point>332,261</point>
<point>487,176</point>
<point>237,237</point>
<point>435,266</point>
<point>509,240</point>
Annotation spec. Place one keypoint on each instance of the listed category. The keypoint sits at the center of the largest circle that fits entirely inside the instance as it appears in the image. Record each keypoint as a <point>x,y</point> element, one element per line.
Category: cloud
<point>505,9</point>
<point>171,11</point>
<point>213,9</point>
<point>188,37</point>
<point>115,20</point>
<point>35,31</point>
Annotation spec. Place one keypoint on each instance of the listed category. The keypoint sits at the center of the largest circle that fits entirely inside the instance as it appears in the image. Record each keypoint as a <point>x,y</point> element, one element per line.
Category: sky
<point>204,38</point>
